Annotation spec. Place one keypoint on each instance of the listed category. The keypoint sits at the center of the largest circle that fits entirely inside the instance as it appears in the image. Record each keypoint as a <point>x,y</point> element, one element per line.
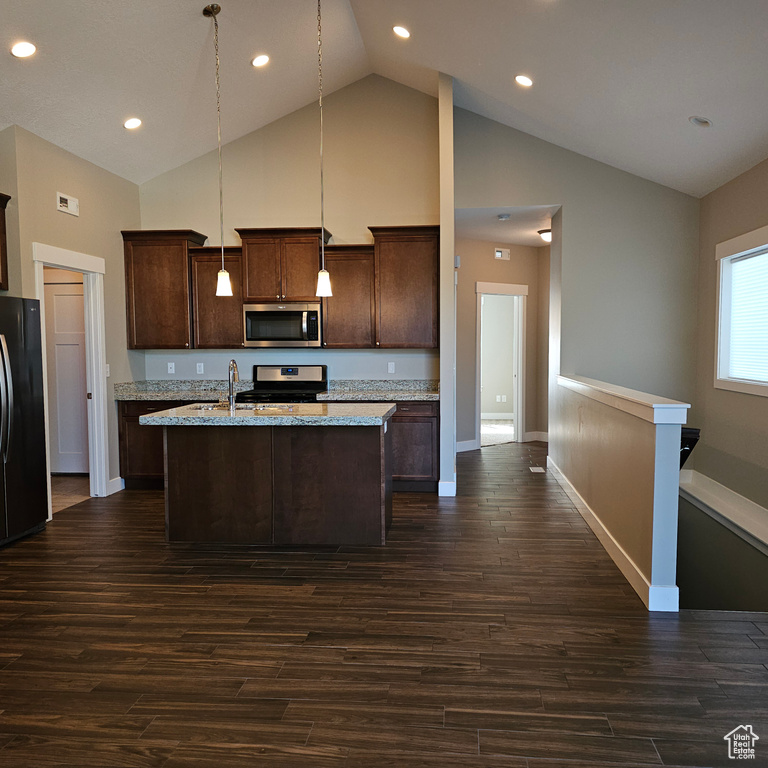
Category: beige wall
<point>543,338</point>
<point>628,253</point>
<point>107,205</point>
<point>380,166</point>
<point>733,449</point>
<point>479,265</point>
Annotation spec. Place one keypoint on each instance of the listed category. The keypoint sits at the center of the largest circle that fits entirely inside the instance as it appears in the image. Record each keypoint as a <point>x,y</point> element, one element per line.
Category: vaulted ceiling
<point>616,80</point>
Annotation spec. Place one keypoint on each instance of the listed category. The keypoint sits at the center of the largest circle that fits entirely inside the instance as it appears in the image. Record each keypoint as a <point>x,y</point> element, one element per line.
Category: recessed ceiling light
<point>401,32</point>
<point>503,217</point>
<point>132,123</point>
<point>700,122</point>
<point>524,80</point>
<point>260,60</point>
<point>546,235</point>
<point>22,50</point>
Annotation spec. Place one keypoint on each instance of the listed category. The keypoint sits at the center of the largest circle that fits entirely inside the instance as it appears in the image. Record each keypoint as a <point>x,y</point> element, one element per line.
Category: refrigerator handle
<point>3,403</point>
<point>6,421</point>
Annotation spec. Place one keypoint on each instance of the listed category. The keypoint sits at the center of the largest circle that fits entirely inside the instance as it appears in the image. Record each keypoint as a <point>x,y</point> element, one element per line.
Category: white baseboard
<point>446,488</point>
<point>467,445</point>
<point>492,416</point>
<point>657,597</point>
<point>114,485</point>
<point>532,436</point>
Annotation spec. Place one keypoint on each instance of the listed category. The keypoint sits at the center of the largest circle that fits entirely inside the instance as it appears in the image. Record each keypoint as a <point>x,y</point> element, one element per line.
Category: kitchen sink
<point>242,407</point>
<point>221,407</point>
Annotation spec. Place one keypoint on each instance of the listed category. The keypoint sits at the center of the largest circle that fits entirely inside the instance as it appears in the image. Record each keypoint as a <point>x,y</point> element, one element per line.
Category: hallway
<point>492,631</point>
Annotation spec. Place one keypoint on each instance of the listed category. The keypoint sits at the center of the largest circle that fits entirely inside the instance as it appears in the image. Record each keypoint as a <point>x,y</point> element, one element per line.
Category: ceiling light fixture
<point>700,122</point>
<point>23,49</point>
<point>260,60</point>
<point>323,278</point>
<point>503,217</point>
<point>131,123</point>
<point>401,32</point>
<point>546,235</point>
<point>223,284</point>
<point>524,80</point>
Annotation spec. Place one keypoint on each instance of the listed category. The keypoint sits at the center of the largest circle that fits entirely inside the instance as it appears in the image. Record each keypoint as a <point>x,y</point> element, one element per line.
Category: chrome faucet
<point>234,376</point>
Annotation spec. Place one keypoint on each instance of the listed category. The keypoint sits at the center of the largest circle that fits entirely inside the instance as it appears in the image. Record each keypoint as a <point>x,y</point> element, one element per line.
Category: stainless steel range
<point>286,384</point>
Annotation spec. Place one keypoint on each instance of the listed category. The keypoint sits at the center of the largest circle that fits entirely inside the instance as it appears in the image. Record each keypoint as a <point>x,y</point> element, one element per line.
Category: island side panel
<point>219,484</point>
<point>329,487</point>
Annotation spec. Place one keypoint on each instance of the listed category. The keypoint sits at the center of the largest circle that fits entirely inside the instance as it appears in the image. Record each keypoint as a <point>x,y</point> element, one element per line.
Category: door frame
<point>92,269</point>
<point>520,294</point>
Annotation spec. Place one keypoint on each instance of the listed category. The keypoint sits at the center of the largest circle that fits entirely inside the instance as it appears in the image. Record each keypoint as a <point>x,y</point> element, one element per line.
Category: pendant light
<point>323,278</point>
<point>223,284</point>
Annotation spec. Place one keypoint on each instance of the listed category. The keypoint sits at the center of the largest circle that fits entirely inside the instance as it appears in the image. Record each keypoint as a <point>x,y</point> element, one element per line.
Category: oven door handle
<point>304,331</point>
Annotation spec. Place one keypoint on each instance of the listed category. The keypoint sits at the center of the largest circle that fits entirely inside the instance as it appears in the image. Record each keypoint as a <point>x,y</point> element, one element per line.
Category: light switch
<point>201,367</point>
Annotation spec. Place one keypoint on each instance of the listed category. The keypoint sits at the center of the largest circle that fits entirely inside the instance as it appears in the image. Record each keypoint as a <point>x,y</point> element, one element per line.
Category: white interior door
<point>65,354</point>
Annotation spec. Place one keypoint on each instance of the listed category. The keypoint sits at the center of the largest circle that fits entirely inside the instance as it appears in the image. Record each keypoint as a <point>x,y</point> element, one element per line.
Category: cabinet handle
<point>402,408</point>
<point>187,344</point>
<point>283,295</point>
<point>378,343</point>
<point>278,296</point>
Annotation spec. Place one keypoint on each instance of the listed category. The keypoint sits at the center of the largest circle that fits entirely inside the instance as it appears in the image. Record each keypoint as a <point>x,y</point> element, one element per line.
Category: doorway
<point>500,389</point>
<point>67,387</point>
<point>91,270</point>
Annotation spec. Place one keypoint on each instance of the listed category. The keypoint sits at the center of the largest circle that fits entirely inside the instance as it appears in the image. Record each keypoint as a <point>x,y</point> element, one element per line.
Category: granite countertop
<point>275,415</point>
<point>178,389</point>
<point>387,390</point>
<point>352,390</point>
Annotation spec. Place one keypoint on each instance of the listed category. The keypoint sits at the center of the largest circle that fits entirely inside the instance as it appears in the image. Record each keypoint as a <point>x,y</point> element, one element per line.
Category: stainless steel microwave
<point>289,324</point>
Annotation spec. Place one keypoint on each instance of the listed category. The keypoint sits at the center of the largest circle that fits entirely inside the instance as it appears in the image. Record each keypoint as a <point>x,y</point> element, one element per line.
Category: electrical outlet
<point>498,398</point>
<point>201,368</point>
<point>171,367</point>
<point>390,367</point>
<point>107,369</point>
<point>503,398</point>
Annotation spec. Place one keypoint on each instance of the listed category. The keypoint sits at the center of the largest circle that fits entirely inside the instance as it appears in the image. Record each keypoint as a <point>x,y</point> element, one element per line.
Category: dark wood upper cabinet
<point>3,244</point>
<point>217,321</point>
<point>280,264</point>
<point>349,315</point>
<point>157,288</point>
<point>406,286</point>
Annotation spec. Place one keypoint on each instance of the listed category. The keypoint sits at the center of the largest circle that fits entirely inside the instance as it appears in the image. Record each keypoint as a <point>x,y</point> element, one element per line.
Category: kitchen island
<point>316,474</point>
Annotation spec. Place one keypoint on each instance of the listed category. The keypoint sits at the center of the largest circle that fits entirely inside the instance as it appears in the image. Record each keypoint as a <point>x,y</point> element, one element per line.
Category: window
<point>742,342</point>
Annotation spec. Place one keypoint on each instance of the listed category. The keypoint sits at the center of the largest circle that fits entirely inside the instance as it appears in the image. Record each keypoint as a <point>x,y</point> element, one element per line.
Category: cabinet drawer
<point>143,407</point>
<point>416,409</point>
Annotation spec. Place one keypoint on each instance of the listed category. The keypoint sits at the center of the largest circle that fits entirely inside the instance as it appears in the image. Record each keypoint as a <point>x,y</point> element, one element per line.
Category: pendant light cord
<point>218,125</point>
<point>320,101</point>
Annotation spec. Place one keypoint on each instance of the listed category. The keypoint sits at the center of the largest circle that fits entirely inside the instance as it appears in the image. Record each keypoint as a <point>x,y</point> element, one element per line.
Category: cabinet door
<point>414,443</point>
<point>157,294</point>
<point>217,320</point>
<point>261,270</point>
<point>406,277</point>
<point>300,262</point>
<point>141,446</point>
<point>348,315</point>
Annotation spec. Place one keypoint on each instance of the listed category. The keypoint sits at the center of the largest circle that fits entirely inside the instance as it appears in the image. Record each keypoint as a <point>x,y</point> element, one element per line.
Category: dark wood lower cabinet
<point>141,447</point>
<point>294,486</point>
<point>219,484</point>
<point>415,446</point>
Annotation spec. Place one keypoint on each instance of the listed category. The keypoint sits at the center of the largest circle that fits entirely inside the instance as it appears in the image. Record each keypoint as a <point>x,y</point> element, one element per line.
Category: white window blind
<point>749,318</point>
<point>748,358</point>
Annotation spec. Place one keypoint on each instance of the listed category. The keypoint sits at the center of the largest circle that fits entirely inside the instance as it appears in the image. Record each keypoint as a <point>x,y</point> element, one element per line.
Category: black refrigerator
<point>24,476</point>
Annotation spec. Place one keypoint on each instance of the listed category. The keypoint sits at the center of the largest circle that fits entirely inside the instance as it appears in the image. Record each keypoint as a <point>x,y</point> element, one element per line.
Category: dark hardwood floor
<point>492,631</point>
